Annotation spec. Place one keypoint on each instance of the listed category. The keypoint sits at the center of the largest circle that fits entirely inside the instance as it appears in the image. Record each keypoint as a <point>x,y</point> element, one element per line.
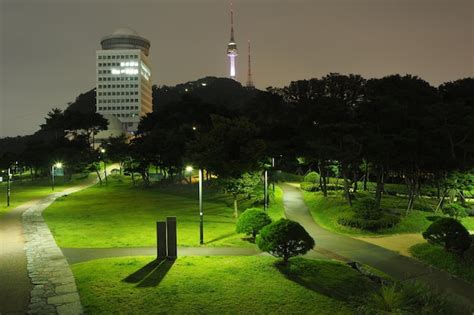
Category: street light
<point>189,170</point>
<point>201,214</point>
<point>57,165</point>
<point>201,219</point>
<point>265,188</point>
<point>8,185</point>
<point>102,151</point>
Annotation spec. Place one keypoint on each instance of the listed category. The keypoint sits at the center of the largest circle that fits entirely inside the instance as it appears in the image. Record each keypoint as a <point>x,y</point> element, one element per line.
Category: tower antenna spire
<point>231,23</point>
<point>249,71</point>
<point>232,52</point>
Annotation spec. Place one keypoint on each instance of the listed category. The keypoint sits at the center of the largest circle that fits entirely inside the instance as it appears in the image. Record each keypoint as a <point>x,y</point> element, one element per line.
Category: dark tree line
<point>393,129</point>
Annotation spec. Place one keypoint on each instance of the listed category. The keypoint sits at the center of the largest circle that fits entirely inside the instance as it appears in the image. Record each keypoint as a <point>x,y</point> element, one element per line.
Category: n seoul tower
<point>232,46</point>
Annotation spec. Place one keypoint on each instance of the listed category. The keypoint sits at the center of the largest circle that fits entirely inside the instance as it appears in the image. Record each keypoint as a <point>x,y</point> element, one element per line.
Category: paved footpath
<point>34,275</point>
<point>54,288</point>
<point>15,286</point>
<point>77,255</point>
<point>349,249</point>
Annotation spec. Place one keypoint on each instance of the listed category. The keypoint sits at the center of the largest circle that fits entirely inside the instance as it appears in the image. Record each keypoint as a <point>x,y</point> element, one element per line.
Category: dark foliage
<point>449,233</point>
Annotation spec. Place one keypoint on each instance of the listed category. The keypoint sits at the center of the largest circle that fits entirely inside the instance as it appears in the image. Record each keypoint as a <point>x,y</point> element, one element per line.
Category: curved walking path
<point>54,287</point>
<point>34,275</point>
<point>349,249</point>
<point>15,286</point>
<point>77,255</point>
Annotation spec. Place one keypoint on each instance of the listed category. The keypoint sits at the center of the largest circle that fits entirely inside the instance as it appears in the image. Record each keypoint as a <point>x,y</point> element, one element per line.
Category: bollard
<point>161,240</point>
<point>172,237</point>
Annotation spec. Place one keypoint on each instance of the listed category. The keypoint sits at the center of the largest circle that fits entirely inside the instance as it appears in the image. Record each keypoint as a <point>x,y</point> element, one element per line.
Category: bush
<point>408,298</point>
<point>449,233</point>
<point>285,238</point>
<point>252,221</point>
<point>386,221</point>
<point>311,177</point>
<point>306,186</point>
<point>368,217</point>
<point>455,210</point>
<point>366,208</point>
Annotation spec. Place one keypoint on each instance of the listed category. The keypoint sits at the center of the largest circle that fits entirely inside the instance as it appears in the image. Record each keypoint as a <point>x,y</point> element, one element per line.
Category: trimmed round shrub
<point>311,177</point>
<point>285,238</point>
<point>386,221</point>
<point>306,186</point>
<point>366,208</point>
<point>449,233</point>
<point>251,221</point>
<point>455,210</point>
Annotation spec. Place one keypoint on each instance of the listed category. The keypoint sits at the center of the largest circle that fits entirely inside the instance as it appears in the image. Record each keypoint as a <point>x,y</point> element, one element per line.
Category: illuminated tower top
<point>232,46</point>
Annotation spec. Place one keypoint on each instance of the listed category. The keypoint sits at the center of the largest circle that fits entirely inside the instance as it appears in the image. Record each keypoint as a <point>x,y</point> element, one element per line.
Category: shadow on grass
<point>220,238</point>
<point>151,274</point>
<point>331,279</point>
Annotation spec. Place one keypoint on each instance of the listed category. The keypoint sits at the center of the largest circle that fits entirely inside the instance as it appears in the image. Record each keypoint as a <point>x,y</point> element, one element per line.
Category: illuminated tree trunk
<point>236,209</point>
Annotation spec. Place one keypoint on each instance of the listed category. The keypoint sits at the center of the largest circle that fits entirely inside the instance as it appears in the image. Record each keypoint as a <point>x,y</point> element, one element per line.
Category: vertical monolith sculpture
<point>161,240</point>
<point>172,237</point>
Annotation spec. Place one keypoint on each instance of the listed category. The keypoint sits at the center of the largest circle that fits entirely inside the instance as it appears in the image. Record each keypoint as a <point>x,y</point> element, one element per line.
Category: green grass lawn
<point>27,190</point>
<point>326,211</point>
<point>120,215</point>
<point>217,285</point>
<point>438,257</point>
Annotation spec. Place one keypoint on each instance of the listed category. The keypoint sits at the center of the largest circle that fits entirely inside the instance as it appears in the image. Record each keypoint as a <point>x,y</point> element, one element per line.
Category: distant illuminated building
<point>232,47</point>
<point>124,78</point>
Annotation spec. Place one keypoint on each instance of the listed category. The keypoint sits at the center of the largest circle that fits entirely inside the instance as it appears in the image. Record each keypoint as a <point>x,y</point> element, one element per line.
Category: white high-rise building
<point>124,78</point>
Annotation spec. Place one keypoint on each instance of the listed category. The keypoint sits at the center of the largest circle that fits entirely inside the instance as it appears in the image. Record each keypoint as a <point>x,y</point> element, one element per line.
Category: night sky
<point>48,47</point>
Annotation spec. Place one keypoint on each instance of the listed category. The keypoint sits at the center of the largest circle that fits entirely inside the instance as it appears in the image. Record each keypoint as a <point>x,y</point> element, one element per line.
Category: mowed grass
<point>121,215</point>
<point>327,210</point>
<point>435,255</point>
<point>27,190</point>
<point>217,285</point>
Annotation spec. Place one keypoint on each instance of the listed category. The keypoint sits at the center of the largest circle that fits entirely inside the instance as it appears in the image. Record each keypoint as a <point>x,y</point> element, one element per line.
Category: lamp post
<point>273,174</point>
<point>189,170</point>
<point>265,190</point>
<point>201,214</point>
<point>8,186</point>
<point>57,165</point>
<point>201,218</point>
<point>265,187</point>
<point>102,151</point>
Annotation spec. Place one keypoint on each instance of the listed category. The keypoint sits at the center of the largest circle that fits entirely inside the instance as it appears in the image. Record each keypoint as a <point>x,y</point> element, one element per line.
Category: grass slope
<point>216,285</point>
<point>326,211</point>
<point>120,215</point>
<point>438,257</point>
<point>27,190</point>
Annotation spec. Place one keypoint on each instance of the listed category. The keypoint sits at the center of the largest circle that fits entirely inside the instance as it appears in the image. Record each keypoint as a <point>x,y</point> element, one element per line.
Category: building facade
<point>124,78</point>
